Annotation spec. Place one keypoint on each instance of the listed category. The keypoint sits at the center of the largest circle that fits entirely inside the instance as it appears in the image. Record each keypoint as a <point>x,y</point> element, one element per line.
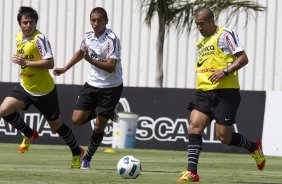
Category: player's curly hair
<point>27,11</point>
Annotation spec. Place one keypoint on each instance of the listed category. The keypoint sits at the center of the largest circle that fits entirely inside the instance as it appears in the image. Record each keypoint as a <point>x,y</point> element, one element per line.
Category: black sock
<point>17,122</point>
<point>66,133</point>
<point>239,141</point>
<point>194,149</point>
<point>93,145</point>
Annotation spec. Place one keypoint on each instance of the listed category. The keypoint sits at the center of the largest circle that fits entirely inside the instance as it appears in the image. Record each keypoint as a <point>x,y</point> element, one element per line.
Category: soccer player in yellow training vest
<point>35,58</point>
<point>220,56</point>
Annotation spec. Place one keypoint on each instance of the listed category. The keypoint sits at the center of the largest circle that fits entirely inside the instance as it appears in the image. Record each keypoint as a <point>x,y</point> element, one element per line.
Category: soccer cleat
<point>76,160</point>
<point>27,141</point>
<point>258,156</point>
<point>189,176</point>
<point>85,164</point>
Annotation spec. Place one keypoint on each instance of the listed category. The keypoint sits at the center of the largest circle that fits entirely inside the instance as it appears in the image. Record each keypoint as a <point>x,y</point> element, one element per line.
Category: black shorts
<point>47,104</point>
<point>100,101</point>
<point>219,104</point>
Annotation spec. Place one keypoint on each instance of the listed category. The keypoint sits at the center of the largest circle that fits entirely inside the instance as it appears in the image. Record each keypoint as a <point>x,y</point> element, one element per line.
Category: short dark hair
<point>208,11</point>
<point>27,11</point>
<point>101,11</point>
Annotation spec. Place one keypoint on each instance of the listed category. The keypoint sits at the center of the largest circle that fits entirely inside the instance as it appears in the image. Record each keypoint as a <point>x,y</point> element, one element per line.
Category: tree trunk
<point>160,52</point>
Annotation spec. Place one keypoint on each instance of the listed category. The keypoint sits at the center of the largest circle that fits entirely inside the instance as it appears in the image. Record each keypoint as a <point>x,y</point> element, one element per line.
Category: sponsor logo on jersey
<point>207,50</point>
<point>199,64</point>
<point>28,75</point>
<point>20,51</point>
<point>29,57</point>
<point>205,70</point>
<point>230,43</point>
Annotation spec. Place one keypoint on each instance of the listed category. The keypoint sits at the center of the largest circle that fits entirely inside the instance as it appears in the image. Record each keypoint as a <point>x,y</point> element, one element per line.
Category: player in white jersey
<point>101,93</point>
<point>102,48</point>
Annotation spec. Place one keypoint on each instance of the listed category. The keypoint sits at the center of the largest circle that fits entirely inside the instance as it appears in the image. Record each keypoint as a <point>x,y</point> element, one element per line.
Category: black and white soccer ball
<point>129,167</point>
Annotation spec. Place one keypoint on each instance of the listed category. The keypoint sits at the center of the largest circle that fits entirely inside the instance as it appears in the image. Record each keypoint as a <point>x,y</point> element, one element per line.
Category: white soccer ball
<point>129,167</point>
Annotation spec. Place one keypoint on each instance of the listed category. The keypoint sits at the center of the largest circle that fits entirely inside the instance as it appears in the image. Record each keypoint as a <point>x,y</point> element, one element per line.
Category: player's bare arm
<point>108,65</point>
<point>78,55</point>
<point>42,64</point>
<point>241,61</point>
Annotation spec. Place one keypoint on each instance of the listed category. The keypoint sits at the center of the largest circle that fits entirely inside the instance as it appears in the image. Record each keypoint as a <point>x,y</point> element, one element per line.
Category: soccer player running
<point>35,58</point>
<point>220,56</point>
<point>101,93</point>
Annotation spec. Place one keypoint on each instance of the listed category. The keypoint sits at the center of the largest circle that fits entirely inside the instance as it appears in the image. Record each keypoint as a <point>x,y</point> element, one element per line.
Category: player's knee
<point>1,112</point>
<point>101,123</point>
<point>98,129</point>
<point>76,120</point>
<point>4,111</point>
<point>194,128</point>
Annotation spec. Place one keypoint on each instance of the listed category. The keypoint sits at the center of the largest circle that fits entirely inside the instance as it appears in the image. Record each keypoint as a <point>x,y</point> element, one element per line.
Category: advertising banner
<point>271,137</point>
<point>162,122</point>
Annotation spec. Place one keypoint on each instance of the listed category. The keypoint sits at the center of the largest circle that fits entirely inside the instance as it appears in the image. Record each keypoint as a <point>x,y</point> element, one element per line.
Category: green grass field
<point>51,164</point>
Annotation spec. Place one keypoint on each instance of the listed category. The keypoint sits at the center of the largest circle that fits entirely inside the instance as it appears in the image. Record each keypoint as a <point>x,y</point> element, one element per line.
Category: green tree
<point>180,14</point>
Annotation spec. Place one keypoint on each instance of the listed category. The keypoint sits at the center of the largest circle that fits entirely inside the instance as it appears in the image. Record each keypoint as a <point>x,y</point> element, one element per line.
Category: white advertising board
<point>272,126</point>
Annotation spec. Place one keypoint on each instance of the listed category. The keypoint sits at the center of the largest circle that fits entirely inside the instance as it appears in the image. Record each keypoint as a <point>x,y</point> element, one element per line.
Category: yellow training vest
<point>34,80</point>
<point>210,56</point>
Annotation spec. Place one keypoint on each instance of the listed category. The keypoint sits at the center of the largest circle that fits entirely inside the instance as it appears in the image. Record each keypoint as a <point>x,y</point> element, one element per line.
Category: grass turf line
<point>51,164</point>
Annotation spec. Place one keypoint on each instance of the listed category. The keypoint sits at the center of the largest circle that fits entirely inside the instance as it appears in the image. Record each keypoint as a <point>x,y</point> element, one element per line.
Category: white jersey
<point>102,48</point>
<point>229,42</point>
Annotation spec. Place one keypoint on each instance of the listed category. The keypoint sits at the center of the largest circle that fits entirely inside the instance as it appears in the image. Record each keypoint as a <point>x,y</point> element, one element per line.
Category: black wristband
<point>225,71</point>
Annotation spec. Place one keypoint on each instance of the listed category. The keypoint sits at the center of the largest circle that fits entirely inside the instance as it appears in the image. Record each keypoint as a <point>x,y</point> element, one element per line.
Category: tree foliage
<point>180,14</point>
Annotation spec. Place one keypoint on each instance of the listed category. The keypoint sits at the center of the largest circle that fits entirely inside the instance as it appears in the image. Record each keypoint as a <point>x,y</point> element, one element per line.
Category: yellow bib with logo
<point>210,57</point>
<point>34,80</point>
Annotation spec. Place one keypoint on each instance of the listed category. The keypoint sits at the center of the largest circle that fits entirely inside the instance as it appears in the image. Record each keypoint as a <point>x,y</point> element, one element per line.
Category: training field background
<point>65,21</point>
<point>49,164</point>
